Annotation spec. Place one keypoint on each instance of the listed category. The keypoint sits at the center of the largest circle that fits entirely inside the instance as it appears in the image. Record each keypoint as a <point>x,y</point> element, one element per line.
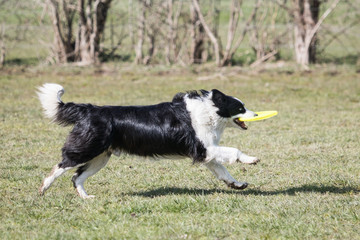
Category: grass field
<point>306,186</point>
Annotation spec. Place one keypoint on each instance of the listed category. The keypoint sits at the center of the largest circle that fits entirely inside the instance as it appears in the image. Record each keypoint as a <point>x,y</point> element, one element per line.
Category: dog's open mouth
<point>240,123</point>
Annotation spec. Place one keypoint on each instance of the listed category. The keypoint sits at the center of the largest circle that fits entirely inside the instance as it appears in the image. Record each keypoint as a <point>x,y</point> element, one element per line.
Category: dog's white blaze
<point>207,124</point>
<point>49,95</point>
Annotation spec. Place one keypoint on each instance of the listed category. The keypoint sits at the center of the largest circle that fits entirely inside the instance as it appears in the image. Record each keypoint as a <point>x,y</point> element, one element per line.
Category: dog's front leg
<point>222,174</point>
<point>228,155</point>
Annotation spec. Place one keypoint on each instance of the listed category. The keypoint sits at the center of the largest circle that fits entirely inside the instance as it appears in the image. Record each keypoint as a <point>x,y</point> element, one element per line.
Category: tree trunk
<point>233,22</point>
<point>307,23</point>
<point>61,48</point>
<point>85,48</point>
<point>130,23</point>
<point>170,33</point>
<point>141,33</point>
<point>197,37</point>
<point>92,25</point>
<point>210,34</point>
<point>315,7</point>
<point>151,50</point>
<point>304,22</point>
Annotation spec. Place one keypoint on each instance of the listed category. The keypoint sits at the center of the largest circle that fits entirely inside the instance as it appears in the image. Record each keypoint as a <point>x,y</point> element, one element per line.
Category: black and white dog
<point>190,125</point>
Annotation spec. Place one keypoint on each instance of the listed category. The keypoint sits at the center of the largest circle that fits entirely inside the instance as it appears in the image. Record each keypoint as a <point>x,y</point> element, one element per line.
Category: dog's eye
<point>242,109</point>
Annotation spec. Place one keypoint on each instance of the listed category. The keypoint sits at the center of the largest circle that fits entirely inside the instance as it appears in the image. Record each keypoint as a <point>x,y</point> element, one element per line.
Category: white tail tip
<point>50,96</point>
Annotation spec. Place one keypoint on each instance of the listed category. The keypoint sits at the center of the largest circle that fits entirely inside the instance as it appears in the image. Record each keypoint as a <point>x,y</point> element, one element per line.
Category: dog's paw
<point>254,161</point>
<point>42,189</point>
<point>248,159</point>
<point>90,196</point>
<point>87,196</point>
<point>237,185</point>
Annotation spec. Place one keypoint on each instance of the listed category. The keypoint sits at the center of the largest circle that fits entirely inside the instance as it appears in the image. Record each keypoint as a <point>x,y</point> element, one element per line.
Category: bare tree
<point>91,26</point>
<point>141,32</point>
<point>158,31</point>
<point>130,23</point>
<point>63,47</point>
<point>210,34</point>
<point>84,47</point>
<point>267,35</point>
<point>173,15</point>
<point>151,37</point>
<point>149,22</point>
<point>305,14</point>
<point>233,23</point>
<point>259,34</point>
<point>224,57</point>
<point>170,33</point>
<point>116,35</point>
<point>197,33</point>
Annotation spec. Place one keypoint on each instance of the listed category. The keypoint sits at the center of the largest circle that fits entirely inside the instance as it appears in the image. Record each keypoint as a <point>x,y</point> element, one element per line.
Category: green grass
<point>306,186</point>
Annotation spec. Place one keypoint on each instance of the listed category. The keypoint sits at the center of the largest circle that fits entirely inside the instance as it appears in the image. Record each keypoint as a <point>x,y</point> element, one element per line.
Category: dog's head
<point>230,108</point>
<point>214,105</point>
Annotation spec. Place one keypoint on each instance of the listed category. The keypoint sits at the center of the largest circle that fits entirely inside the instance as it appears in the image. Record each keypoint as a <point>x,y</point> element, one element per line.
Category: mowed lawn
<point>305,187</point>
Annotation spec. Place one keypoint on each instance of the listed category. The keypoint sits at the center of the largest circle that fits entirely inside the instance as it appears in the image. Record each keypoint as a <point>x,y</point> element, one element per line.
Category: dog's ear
<point>178,97</point>
<point>204,92</point>
<point>217,96</point>
<point>220,101</point>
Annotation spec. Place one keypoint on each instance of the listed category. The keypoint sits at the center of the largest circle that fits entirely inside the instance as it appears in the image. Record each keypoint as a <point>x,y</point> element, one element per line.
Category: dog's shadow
<point>288,191</point>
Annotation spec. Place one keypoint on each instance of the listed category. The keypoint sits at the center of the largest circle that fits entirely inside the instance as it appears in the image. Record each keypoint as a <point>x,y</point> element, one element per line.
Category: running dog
<point>190,125</point>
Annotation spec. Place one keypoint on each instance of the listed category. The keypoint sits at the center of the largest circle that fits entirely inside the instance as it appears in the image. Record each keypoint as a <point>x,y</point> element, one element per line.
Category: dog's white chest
<point>206,122</point>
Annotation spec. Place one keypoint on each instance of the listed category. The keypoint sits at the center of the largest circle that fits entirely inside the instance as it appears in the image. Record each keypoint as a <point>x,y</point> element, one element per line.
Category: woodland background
<point>179,32</point>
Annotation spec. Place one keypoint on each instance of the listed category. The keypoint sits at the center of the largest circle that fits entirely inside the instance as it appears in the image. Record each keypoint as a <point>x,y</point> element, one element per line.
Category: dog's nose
<point>255,115</point>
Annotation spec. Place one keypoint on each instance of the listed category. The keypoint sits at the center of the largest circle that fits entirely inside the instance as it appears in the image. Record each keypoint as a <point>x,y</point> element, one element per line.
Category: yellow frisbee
<point>260,116</point>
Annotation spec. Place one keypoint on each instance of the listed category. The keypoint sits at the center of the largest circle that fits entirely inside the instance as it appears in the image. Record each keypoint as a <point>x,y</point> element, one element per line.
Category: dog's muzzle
<point>240,123</point>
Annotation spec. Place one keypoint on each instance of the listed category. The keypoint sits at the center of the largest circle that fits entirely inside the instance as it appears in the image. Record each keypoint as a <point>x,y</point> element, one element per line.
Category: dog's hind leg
<point>222,174</point>
<point>87,170</point>
<point>56,172</point>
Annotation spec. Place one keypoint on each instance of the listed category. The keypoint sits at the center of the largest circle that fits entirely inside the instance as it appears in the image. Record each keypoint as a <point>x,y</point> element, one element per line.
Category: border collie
<point>190,126</point>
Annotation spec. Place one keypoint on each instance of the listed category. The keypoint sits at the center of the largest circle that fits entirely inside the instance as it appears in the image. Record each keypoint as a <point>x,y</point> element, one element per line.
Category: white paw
<point>87,196</point>
<point>254,160</point>
<point>80,190</point>
<point>237,185</point>
<point>248,159</point>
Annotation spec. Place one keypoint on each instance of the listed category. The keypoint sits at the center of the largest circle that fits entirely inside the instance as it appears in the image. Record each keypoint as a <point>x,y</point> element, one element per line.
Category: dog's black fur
<point>156,130</point>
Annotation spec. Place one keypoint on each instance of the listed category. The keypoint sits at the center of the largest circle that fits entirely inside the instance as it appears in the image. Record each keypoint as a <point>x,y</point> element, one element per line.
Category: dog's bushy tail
<point>54,108</point>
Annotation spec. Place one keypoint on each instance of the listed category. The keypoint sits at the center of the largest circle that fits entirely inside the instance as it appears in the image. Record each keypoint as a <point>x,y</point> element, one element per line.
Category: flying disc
<point>260,116</point>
